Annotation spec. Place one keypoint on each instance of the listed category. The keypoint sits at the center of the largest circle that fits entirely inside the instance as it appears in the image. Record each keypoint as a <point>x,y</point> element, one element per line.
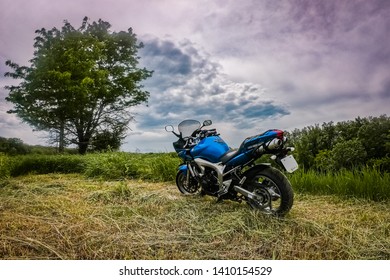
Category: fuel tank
<point>210,148</point>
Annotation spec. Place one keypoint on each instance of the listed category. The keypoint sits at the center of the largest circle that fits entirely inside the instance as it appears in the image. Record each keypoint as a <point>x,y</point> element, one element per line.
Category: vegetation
<point>81,82</point>
<point>70,217</point>
<point>366,182</point>
<point>116,205</point>
<point>107,166</point>
<point>15,146</point>
<point>107,205</point>
<point>349,144</point>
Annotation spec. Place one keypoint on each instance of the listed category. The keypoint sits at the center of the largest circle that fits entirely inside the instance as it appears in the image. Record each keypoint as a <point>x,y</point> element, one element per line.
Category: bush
<point>348,154</point>
<point>43,164</point>
<point>324,161</point>
<point>382,164</point>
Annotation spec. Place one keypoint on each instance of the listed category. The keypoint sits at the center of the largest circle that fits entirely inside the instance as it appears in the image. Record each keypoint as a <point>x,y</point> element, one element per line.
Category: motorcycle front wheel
<point>183,186</point>
<point>272,192</point>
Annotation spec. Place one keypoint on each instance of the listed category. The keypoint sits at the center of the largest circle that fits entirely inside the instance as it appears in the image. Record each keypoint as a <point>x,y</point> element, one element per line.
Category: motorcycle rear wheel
<point>185,188</point>
<point>272,192</point>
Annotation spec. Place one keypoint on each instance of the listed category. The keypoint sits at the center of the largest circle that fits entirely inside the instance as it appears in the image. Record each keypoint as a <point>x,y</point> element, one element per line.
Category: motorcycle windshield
<point>187,127</point>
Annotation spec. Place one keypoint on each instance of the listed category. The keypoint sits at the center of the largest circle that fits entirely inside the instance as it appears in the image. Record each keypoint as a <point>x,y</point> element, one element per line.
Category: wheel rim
<point>267,196</point>
<point>184,187</point>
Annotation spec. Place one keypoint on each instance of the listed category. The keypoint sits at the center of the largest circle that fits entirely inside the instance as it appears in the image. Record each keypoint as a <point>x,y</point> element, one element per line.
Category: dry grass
<point>69,217</point>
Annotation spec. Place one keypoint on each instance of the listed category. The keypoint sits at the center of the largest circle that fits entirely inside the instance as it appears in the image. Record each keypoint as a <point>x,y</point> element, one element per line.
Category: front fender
<point>183,168</point>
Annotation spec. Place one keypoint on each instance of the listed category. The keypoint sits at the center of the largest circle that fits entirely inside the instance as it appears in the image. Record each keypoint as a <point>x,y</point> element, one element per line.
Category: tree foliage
<point>107,140</point>
<point>13,146</point>
<point>348,154</point>
<point>347,144</point>
<point>80,82</point>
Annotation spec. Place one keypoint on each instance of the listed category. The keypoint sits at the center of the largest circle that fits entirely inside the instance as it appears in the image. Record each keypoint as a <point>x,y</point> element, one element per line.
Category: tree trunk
<point>61,144</point>
<point>83,145</point>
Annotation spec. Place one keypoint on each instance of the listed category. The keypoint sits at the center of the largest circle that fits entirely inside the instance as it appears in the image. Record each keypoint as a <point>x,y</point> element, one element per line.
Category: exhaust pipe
<point>274,144</point>
<point>244,192</point>
<point>270,145</point>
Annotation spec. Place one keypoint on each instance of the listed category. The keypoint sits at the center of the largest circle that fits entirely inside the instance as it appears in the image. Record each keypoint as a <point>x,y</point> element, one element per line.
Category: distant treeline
<point>328,147</point>
<point>344,145</point>
<point>15,146</point>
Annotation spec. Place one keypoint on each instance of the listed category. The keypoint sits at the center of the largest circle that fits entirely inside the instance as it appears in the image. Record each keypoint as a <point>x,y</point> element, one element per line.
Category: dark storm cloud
<point>385,93</point>
<point>187,84</point>
<point>319,60</point>
<point>306,50</point>
<point>166,56</point>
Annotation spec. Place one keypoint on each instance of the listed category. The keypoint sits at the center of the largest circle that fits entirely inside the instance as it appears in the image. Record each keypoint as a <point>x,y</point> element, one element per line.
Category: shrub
<point>348,154</point>
<point>382,164</point>
<point>43,164</point>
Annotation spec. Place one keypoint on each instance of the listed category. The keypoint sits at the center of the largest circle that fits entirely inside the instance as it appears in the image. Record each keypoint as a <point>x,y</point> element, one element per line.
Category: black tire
<point>272,191</point>
<point>184,188</point>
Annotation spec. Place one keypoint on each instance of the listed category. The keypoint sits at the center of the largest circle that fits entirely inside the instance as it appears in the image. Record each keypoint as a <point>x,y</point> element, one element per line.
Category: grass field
<point>368,183</point>
<point>58,216</point>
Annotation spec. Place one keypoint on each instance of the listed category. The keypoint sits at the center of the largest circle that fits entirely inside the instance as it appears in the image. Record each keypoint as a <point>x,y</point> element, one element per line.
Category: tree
<point>13,146</point>
<point>374,136</point>
<point>108,140</point>
<point>344,144</point>
<point>80,82</point>
<point>307,145</point>
<point>324,161</point>
<point>349,154</point>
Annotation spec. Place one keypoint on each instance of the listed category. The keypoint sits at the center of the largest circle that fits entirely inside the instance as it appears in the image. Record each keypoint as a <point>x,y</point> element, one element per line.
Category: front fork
<point>188,174</point>
<point>188,171</point>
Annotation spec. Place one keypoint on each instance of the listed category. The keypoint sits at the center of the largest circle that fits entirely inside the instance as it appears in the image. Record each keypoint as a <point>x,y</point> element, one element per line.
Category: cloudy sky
<point>247,65</point>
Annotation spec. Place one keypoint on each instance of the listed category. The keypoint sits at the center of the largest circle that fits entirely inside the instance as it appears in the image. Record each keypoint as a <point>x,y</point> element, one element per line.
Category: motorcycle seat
<point>229,155</point>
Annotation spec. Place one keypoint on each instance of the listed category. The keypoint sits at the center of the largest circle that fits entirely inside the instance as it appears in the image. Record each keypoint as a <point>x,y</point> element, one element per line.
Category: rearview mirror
<point>169,128</point>
<point>207,122</point>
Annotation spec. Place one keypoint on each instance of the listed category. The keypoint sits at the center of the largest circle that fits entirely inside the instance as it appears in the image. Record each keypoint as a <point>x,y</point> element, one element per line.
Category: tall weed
<point>164,167</point>
<point>112,166</point>
<point>4,166</point>
<point>119,165</point>
<point>44,164</point>
<point>367,183</point>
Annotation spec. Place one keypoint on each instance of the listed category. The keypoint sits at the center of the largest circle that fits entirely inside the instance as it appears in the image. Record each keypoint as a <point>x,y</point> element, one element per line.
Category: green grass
<point>60,216</point>
<point>4,167</point>
<point>367,183</point>
<point>44,164</point>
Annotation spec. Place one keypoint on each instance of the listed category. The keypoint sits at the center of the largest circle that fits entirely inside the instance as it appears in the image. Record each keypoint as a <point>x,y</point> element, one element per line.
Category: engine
<point>209,181</point>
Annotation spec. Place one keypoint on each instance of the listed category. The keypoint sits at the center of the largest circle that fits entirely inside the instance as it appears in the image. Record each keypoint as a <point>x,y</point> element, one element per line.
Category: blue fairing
<point>245,153</point>
<point>262,138</point>
<point>210,148</point>
<point>240,159</point>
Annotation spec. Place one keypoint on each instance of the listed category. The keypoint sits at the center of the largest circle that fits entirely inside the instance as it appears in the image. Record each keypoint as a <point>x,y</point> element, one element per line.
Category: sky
<point>248,65</point>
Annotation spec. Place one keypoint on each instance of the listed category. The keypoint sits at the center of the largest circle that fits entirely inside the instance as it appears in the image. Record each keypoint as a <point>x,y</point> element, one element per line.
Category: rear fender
<point>257,168</point>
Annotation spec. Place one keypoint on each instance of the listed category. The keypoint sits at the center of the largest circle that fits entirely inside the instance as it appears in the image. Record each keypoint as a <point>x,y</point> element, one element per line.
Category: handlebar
<point>197,135</point>
<point>204,133</point>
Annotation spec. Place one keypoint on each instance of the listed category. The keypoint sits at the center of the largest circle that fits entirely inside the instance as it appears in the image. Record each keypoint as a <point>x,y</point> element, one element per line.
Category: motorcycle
<point>211,167</point>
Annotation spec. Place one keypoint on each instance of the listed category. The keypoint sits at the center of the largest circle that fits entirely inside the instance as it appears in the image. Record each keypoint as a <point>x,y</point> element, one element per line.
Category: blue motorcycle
<point>210,167</point>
